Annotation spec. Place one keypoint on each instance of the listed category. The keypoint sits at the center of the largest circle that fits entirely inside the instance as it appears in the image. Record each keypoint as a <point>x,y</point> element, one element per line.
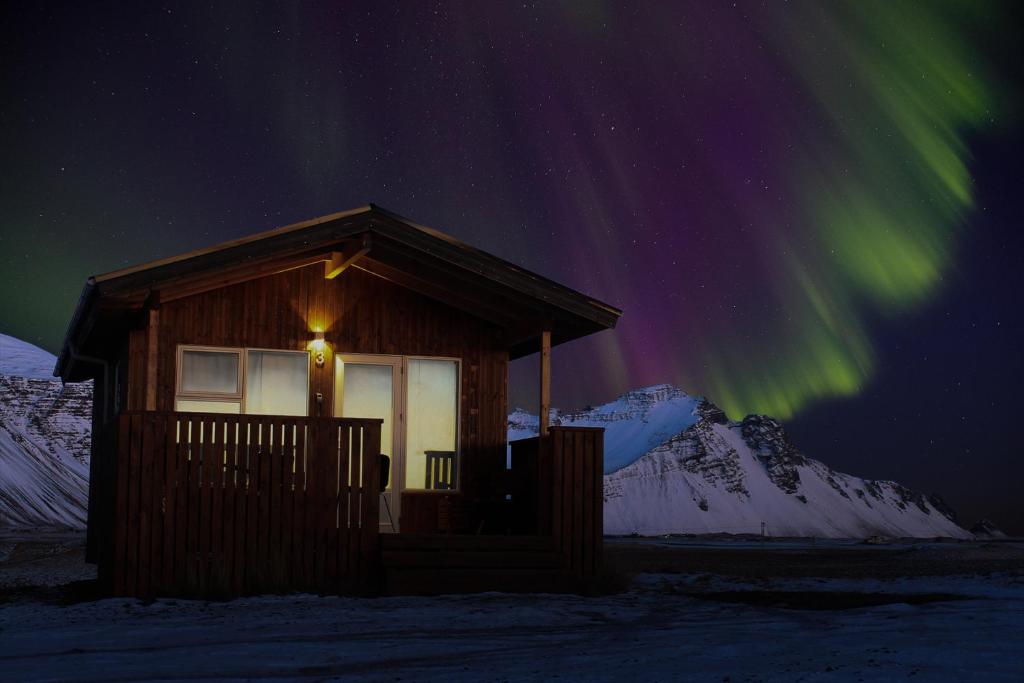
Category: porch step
<point>431,564</point>
<point>457,542</point>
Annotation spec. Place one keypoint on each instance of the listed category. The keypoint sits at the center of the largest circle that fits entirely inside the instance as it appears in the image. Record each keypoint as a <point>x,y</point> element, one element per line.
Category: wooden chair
<point>441,471</point>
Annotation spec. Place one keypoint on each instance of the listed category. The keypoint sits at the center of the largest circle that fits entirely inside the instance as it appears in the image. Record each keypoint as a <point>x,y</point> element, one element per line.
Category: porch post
<point>152,348</point>
<point>545,381</point>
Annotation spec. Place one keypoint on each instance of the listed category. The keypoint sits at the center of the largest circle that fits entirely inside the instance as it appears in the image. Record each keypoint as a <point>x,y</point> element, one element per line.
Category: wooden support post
<point>152,355</point>
<point>545,381</point>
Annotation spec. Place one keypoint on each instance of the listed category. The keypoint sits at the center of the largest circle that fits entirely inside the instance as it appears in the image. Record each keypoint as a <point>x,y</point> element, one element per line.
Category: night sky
<point>810,210</point>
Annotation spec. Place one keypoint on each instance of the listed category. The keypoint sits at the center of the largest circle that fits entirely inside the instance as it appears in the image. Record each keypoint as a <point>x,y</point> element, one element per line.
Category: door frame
<point>393,496</point>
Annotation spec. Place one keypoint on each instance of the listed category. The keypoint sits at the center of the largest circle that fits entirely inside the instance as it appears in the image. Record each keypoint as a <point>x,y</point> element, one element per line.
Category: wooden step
<point>454,542</point>
<point>437,582</point>
<point>400,559</point>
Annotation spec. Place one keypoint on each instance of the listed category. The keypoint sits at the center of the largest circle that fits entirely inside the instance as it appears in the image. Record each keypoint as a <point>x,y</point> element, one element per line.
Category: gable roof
<point>437,265</point>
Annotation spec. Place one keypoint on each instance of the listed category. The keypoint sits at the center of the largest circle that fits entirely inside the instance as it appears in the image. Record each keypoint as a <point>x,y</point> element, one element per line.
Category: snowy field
<point>668,626</point>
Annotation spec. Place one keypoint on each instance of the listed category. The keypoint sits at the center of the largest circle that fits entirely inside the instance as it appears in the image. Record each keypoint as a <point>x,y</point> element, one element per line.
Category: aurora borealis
<point>772,192</point>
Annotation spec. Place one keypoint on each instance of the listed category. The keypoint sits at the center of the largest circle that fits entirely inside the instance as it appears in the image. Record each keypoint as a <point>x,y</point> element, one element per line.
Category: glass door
<point>370,386</point>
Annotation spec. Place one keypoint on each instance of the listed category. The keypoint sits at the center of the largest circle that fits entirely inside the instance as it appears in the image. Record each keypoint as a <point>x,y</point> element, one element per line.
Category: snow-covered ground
<point>753,610</point>
<point>657,631</point>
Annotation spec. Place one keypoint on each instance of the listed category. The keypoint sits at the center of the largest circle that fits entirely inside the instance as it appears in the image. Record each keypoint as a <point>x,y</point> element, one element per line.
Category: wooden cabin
<point>323,407</point>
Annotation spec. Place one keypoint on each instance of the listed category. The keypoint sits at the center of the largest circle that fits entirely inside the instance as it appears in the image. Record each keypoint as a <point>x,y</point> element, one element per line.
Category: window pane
<point>432,419</point>
<point>276,383</point>
<point>209,372</point>
<point>365,390</point>
<point>186,406</point>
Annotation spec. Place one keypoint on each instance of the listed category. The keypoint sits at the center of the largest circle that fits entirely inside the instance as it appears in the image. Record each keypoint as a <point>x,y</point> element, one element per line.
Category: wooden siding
<point>359,313</point>
<point>223,505</point>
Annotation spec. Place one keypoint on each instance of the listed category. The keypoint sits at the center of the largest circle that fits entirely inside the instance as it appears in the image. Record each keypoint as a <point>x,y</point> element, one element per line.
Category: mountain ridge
<point>713,475</point>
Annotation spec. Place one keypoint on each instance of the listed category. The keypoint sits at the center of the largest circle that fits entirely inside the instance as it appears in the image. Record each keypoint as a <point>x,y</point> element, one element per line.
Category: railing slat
<point>370,513</point>
<point>124,451</point>
<point>216,556</point>
<point>227,572</point>
<point>132,539</point>
<point>167,510</point>
<point>354,532</point>
<point>251,556</point>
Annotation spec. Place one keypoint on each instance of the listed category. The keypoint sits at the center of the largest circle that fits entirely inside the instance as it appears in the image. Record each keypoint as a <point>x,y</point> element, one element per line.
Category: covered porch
<point>216,505</point>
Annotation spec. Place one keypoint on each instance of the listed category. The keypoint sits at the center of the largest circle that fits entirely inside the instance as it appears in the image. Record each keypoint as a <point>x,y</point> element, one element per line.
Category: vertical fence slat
<point>300,578</point>
<point>252,508</point>
<point>263,500</point>
<point>319,503</point>
<point>230,474</point>
<point>216,555</point>
<point>157,501</point>
<point>370,509</point>
<point>241,498</point>
<point>169,507</point>
<point>274,536</point>
<point>553,453</point>
<point>586,504</point>
<point>355,530</point>
<point>132,541</point>
<point>333,486</point>
<point>190,439</point>
<point>597,531</point>
<point>148,455</point>
<point>287,501</point>
<point>124,452</point>
<point>577,507</point>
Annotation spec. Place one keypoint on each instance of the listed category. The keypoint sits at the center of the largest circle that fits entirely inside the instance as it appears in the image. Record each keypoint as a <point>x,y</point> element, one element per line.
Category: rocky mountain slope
<point>44,441</point>
<point>676,464</point>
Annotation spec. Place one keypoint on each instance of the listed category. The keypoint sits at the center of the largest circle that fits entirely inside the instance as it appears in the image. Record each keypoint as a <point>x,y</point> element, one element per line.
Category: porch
<point>220,505</point>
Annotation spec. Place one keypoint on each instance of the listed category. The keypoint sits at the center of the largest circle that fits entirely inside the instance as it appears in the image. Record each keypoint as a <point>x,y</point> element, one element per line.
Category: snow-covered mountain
<point>20,359</point>
<point>676,464</point>
<point>44,441</point>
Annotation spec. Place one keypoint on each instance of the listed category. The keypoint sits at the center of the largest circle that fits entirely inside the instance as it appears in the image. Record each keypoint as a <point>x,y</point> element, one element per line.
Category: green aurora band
<point>884,193</point>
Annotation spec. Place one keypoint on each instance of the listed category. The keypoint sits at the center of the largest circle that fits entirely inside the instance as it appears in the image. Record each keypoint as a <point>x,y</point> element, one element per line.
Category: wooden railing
<point>556,488</point>
<point>221,505</point>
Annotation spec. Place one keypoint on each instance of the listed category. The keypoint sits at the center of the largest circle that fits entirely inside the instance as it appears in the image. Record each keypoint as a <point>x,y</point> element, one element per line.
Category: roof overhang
<point>370,238</point>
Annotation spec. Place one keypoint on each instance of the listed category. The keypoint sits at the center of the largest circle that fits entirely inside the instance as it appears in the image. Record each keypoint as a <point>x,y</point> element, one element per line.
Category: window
<point>432,423</point>
<point>252,381</point>
<point>276,382</point>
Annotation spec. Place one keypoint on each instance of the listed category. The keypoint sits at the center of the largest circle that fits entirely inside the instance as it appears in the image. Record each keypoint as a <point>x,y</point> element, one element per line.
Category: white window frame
<point>222,397</point>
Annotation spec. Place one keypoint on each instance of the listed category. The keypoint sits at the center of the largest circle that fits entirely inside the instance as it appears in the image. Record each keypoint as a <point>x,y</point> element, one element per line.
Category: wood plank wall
<point>359,313</point>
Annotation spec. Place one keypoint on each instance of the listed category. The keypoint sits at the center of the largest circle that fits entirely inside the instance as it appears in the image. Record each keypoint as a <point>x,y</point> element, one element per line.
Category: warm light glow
<point>318,346</point>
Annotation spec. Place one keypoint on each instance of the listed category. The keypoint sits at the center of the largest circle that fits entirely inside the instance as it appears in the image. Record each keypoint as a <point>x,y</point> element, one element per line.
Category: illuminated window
<point>432,422</point>
<point>276,382</point>
<point>251,381</point>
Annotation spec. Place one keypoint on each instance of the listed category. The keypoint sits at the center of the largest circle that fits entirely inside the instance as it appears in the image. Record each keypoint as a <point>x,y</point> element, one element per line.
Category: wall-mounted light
<point>318,345</point>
